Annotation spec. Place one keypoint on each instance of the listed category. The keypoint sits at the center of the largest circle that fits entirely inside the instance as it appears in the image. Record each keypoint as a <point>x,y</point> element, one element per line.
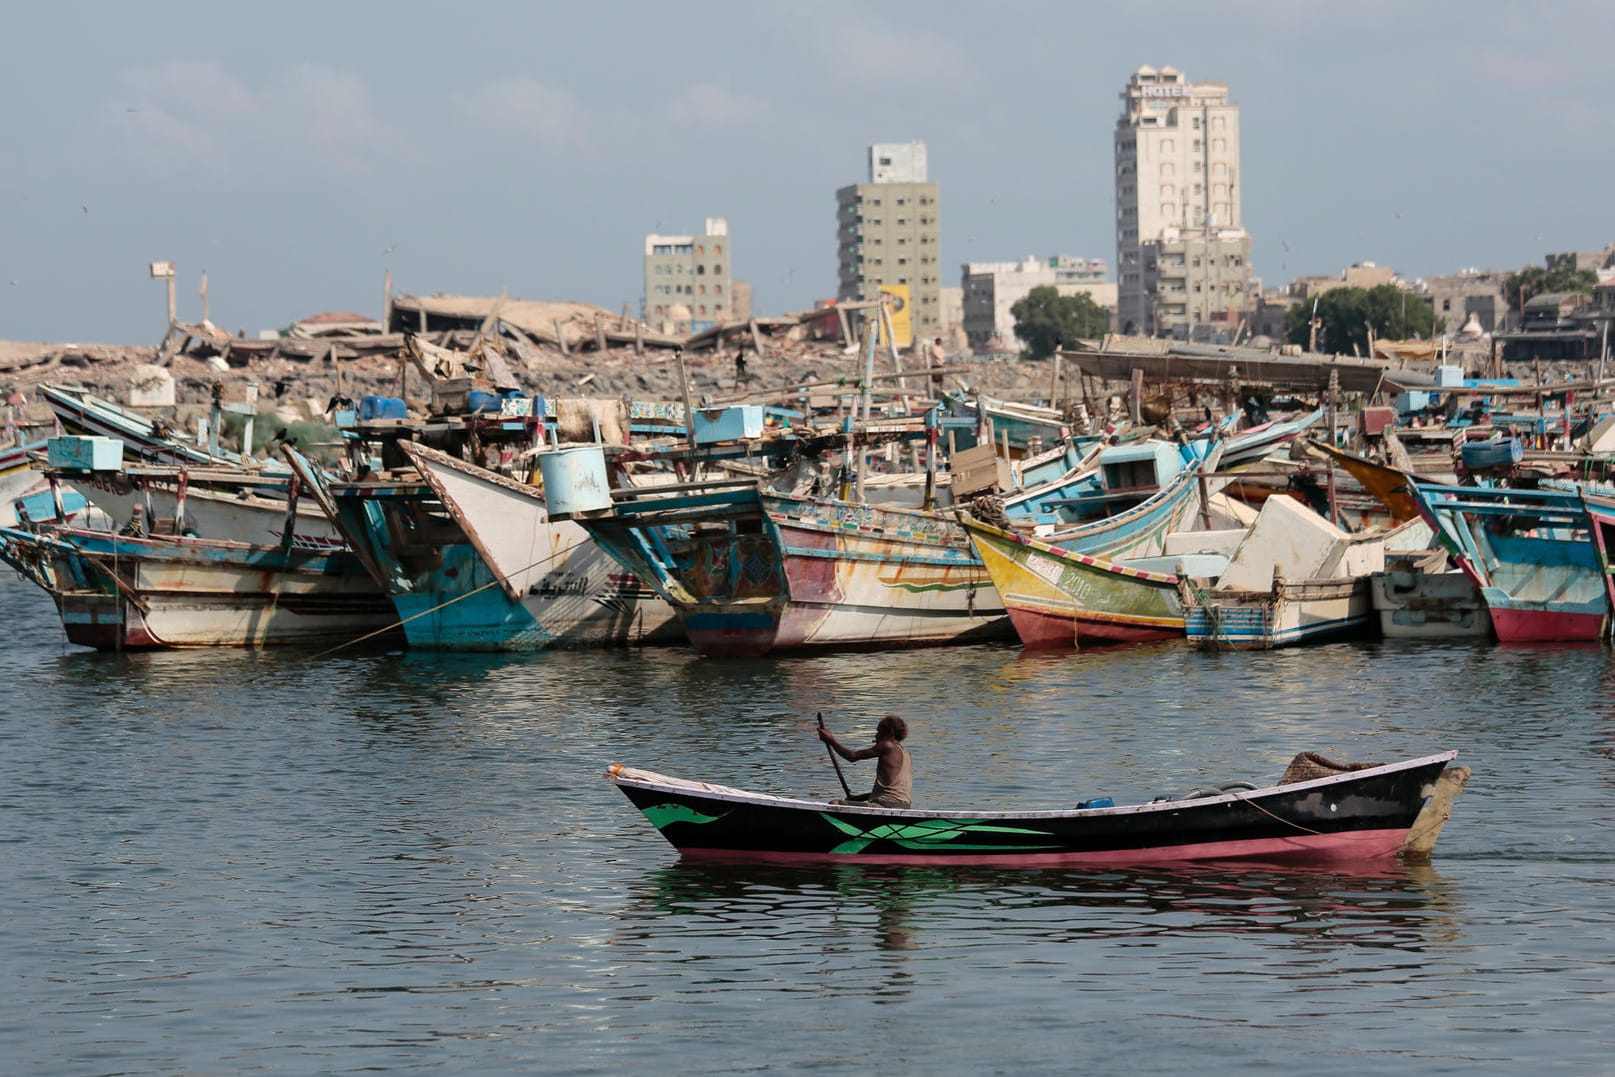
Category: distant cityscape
<point>1183,256</point>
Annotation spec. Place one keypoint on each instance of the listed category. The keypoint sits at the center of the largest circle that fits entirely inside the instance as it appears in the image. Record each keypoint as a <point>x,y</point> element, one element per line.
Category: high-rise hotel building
<point>1182,254</point>
<point>889,232</point>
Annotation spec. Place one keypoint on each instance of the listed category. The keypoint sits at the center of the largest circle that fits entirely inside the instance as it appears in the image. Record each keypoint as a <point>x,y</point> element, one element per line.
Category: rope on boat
<point>495,582</point>
<point>1408,840</point>
<point>1276,818</point>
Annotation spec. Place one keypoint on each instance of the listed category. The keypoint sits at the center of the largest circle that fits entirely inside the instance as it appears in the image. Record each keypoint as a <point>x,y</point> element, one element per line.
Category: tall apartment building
<point>889,232</point>
<point>1182,255</point>
<point>687,280</point>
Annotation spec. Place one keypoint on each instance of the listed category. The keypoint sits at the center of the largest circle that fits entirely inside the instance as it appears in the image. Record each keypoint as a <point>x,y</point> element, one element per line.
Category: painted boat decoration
<point>1365,813</point>
<point>1530,552</point>
<point>118,592</point>
<point>751,571</point>
<point>1294,578</point>
<point>473,562</point>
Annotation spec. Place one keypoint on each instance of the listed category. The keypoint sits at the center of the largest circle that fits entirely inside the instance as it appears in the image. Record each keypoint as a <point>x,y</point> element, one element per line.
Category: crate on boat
<point>713,425</point>
<point>79,453</point>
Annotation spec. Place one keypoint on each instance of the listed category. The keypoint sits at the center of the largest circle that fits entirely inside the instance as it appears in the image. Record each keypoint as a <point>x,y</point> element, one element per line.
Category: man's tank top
<point>900,792</point>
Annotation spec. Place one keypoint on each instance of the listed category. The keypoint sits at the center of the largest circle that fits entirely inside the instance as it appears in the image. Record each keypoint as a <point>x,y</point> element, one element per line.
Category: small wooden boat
<point>1317,811</point>
<point>1294,578</point>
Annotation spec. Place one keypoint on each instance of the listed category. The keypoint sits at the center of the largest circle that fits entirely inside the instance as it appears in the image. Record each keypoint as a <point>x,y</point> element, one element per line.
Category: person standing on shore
<point>935,358</point>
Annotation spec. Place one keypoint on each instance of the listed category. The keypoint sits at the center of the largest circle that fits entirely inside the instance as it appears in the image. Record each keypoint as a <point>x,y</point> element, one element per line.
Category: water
<point>405,863</point>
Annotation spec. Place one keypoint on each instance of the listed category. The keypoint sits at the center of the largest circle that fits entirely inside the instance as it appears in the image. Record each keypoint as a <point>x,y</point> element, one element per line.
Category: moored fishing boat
<point>1113,581</point>
<point>119,592</point>
<point>1294,578</point>
<point>751,571</point>
<point>1530,552</point>
<point>1600,509</point>
<point>151,440</point>
<point>1317,811</point>
<point>473,562</point>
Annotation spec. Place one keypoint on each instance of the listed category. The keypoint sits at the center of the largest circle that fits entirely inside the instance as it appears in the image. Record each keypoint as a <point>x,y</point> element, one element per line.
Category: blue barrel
<point>575,480</point>
<point>381,407</point>
<point>1494,452</point>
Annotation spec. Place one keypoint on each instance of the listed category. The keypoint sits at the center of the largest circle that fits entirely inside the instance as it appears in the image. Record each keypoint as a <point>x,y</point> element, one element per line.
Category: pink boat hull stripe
<point>1357,845</point>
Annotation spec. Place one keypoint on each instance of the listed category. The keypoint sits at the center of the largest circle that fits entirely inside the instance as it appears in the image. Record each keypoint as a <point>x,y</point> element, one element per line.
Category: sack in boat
<point>1309,765</point>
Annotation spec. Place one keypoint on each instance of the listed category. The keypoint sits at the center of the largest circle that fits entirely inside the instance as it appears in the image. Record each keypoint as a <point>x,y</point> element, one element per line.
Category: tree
<point>1347,314</point>
<point>1535,280</point>
<point>1045,319</point>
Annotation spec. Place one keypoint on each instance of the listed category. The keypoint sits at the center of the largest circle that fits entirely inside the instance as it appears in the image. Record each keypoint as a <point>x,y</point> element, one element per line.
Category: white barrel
<point>575,480</point>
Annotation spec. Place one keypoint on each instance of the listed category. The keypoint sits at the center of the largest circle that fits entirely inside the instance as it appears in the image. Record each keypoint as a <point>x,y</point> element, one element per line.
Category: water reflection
<point>1399,906</point>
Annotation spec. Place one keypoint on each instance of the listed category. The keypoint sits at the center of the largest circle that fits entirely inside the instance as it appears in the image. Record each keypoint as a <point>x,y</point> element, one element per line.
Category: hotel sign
<point>1171,89</point>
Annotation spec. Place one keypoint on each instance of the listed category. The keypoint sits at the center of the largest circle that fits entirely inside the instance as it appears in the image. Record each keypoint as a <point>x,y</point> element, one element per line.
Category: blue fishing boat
<point>472,561</point>
<point>1531,554</point>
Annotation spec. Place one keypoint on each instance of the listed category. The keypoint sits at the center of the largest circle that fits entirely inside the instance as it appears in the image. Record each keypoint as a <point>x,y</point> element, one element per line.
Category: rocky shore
<point>301,389</point>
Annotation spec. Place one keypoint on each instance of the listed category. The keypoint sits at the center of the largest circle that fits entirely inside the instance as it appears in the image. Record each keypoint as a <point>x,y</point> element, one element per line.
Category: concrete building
<point>1590,260</point>
<point>991,289</point>
<point>953,318</point>
<point>687,280</point>
<point>1468,292</point>
<point>1178,193</point>
<point>889,232</point>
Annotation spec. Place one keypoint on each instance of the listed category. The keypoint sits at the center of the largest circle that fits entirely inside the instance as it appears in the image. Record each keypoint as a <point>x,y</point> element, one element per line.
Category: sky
<point>298,152</point>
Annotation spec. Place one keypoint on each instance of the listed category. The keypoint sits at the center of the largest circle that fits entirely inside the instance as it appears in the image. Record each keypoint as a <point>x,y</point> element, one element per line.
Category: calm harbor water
<point>395,862</point>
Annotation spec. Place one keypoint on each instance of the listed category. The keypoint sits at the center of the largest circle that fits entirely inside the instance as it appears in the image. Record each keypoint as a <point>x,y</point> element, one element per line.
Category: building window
<point>717,248</point>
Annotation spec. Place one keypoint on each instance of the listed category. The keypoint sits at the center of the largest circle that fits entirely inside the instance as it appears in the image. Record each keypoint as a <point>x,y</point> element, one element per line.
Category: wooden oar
<point>834,762</point>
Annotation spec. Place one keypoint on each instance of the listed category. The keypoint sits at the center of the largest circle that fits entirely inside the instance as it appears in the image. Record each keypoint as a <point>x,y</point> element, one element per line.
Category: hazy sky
<point>297,151</point>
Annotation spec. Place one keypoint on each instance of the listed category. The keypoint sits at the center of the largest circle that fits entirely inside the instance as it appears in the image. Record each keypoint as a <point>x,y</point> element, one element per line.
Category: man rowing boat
<point>894,779</point>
